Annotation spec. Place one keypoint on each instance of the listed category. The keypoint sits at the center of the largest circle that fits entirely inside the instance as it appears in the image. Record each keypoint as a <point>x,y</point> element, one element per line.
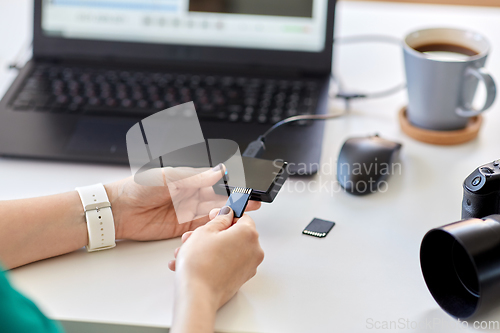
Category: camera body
<point>482,192</point>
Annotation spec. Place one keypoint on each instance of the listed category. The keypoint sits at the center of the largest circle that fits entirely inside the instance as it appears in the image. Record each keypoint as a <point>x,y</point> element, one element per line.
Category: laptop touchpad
<point>100,136</point>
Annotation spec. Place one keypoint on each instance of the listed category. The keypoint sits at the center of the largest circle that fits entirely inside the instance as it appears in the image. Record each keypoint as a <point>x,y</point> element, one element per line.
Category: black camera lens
<point>446,275</point>
<point>464,269</point>
<point>461,266</point>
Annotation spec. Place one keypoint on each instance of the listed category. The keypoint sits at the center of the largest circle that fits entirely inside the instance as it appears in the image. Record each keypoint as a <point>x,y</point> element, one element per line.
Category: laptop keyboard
<point>76,90</point>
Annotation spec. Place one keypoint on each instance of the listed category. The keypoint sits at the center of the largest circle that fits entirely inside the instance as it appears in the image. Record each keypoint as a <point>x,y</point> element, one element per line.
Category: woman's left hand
<point>160,212</point>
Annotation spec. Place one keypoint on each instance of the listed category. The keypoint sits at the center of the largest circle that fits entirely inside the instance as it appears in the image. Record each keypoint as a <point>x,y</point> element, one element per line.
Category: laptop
<point>98,67</point>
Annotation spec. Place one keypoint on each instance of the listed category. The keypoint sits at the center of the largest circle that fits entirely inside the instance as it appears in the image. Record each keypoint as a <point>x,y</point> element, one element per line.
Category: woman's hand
<point>212,264</point>
<point>160,212</point>
<point>44,227</point>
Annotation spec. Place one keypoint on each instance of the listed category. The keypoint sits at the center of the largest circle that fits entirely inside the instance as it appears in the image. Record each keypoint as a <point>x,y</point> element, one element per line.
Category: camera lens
<point>446,275</point>
<point>464,269</point>
<point>461,266</point>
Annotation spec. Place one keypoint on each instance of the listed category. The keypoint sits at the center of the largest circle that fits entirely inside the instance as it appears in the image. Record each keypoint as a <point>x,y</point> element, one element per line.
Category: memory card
<point>238,200</point>
<point>318,228</point>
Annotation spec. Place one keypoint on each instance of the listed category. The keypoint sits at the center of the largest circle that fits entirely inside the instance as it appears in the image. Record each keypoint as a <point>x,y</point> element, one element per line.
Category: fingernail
<point>224,211</point>
<point>217,168</point>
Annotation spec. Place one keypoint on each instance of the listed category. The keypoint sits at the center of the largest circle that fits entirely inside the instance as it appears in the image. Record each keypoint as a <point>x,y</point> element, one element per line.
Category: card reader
<point>264,177</point>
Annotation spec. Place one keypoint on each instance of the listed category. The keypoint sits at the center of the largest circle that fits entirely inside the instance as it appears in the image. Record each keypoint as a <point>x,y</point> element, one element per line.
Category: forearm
<point>40,228</point>
<point>195,309</point>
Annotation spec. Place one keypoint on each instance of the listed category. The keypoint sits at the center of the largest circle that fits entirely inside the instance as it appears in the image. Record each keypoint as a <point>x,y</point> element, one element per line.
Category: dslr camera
<point>482,192</point>
<point>460,262</point>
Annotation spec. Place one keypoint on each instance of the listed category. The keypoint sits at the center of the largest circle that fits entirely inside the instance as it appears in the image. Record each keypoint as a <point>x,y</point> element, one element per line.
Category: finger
<point>185,236</point>
<point>244,222</point>
<point>171,265</point>
<point>175,174</point>
<point>207,206</point>
<point>223,220</point>
<point>204,208</point>
<point>176,252</point>
<point>213,213</point>
<point>208,194</point>
<point>203,179</point>
<point>197,221</point>
<point>253,205</point>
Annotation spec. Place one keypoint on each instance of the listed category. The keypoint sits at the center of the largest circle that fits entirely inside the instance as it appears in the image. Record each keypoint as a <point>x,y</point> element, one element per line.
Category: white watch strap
<point>100,222</point>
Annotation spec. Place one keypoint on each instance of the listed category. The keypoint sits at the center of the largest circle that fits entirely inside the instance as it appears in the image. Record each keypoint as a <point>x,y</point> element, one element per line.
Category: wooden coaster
<point>444,138</point>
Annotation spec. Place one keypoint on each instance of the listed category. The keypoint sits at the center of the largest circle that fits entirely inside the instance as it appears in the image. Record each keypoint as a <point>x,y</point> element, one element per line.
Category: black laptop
<point>100,66</point>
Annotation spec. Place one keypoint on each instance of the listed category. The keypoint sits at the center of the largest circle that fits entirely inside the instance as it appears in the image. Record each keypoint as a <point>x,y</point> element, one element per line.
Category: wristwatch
<point>100,222</point>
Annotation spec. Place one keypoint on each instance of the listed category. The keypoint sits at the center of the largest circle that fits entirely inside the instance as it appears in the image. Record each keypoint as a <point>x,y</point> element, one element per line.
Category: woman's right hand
<point>214,261</point>
<point>221,256</point>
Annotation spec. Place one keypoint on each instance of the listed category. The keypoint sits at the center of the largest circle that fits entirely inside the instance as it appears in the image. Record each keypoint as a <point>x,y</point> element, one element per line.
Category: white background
<point>367,267</point>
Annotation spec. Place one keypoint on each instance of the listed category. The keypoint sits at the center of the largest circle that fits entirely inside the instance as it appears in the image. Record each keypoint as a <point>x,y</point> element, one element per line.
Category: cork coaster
<point>444,138</point>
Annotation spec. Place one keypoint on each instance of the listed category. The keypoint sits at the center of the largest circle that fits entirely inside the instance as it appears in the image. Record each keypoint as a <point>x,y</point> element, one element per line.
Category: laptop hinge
<point>229,69</point>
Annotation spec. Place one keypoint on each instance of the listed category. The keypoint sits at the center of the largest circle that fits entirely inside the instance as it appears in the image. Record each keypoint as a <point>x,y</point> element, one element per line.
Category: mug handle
<point>491,92</point>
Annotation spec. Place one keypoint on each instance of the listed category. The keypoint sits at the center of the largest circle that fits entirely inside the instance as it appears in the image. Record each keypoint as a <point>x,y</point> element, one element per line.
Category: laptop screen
<point>288,25</point>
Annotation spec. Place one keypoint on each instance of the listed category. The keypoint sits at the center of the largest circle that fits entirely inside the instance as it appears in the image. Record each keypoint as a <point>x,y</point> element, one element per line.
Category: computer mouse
<point>365,163</point>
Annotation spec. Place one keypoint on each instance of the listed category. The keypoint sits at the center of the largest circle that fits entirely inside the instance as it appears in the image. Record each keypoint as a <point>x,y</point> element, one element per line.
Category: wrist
<point>76,214</point>
<point>195,307</point>
<point>76,210</point>
<point>196,290</point>
<point>114,200</point>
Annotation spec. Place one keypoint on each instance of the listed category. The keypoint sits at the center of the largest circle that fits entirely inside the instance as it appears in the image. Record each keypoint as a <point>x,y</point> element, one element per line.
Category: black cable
<point>298,118</point>
<point>256,148</point>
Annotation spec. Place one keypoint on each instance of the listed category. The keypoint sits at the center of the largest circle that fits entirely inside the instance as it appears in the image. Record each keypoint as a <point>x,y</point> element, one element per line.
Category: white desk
<point>368,266</point>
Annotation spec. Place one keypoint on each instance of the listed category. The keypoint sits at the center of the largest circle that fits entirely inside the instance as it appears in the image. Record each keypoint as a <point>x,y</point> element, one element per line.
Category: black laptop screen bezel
<point>64,48</point>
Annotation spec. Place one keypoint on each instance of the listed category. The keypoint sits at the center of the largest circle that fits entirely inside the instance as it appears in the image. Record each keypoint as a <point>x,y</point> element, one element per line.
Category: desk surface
<point>366,270</point>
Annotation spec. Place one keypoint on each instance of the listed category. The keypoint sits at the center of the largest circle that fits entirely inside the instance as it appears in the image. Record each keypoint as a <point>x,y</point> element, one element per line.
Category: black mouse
<point>365,164</point>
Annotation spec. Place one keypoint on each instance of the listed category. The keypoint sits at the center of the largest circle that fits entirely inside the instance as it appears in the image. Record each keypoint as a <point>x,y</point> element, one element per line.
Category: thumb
<point>222,221</point>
